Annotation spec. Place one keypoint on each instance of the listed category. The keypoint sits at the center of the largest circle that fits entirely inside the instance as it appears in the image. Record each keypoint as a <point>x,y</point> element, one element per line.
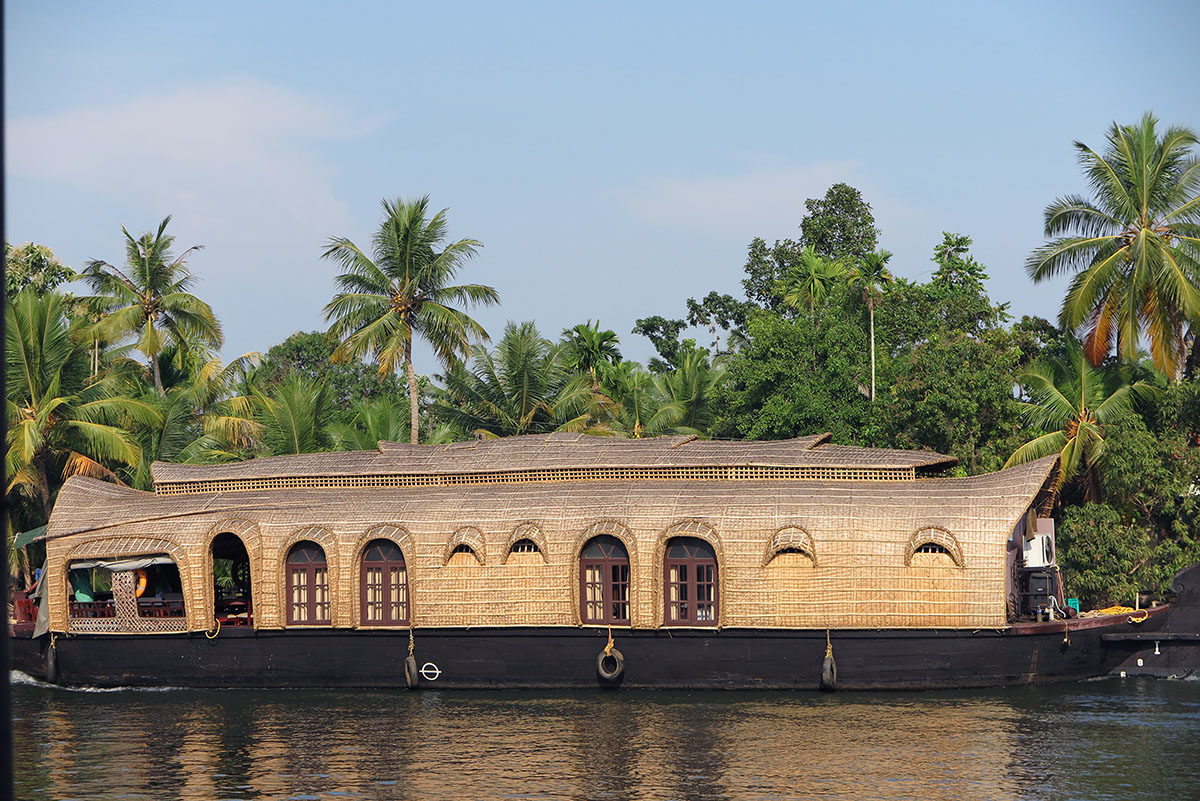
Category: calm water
<point>1130,739</point>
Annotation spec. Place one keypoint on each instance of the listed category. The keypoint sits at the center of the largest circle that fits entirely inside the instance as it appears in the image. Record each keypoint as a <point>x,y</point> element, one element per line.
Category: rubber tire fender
<point>617,660</point>
<point>411,675</point>
<point>52,665</point>
<point>829,674</point>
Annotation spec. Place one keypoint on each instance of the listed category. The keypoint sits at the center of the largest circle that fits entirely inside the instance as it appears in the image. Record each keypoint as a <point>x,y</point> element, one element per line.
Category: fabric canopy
<point>119,565</point>
<point>26,537</point>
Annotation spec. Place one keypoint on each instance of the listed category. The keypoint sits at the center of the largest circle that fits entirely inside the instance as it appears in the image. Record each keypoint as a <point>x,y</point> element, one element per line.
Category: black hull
<point>495,658</point>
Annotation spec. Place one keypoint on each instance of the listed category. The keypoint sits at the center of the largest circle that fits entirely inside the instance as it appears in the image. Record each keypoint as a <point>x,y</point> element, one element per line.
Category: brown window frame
<point>614,584</point>
<point>311,571</point>
<point>386,587</point>
<point>695,578</point>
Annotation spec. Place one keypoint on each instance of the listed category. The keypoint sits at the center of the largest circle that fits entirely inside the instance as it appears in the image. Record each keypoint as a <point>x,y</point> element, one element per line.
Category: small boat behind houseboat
<point>564,560</point>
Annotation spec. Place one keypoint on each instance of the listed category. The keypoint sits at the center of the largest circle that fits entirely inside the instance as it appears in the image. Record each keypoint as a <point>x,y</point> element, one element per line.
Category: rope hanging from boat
<point>1066,634</point>
<point>411,679</point>
<point>1142,619</point>
<point>609,648</point>
<point>216,631</point>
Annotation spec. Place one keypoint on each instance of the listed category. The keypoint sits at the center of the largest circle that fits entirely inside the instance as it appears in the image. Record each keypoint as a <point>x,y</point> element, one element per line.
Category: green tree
<point>839,225</point>
<point>294,417</point>
<point>1074,403</point>
<point>1105,559</point>
<point>957,268</point>
<point>664,336</point>
<point>373,421</point>
<point>953,394</point>
<point>765,268</point>
<point>692,387</point>
<point>150,299</point>
<point>59,423</point>
<point>792,378</point>
<point>812,280</point>
<point>1134,249</point>
<point>310,356</point>
<point>871,274</point>
<point>202,419</point>
<point>641,408</point>
<point>402,290</point>
<point>522,386</point>
<point>592,351</point>
<point>35,266</point>
<point>719,311</point>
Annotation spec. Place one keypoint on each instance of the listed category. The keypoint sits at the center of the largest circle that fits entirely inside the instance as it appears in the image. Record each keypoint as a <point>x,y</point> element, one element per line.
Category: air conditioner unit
<point>1039,549</point>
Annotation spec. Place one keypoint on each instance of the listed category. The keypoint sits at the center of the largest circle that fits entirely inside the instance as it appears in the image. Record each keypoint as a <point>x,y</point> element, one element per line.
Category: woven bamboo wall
<point>859,537</point>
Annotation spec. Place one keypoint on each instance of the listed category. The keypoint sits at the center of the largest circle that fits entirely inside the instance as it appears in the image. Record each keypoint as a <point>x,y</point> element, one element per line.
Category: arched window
<point>604,581</point>
<point>933,547</point>
<point>308,585</point>
<point>463,555</point>
<point>384,585</point>
<point>690,583</point>
<point>524,552</point>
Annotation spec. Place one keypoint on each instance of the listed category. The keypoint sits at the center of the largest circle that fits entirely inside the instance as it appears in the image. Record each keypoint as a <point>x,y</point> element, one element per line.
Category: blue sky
<point>614,159</point>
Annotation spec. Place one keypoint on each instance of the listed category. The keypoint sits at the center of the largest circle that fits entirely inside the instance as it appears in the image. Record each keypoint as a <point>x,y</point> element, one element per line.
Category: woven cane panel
<point>862,530</point>
<point>727,473</point>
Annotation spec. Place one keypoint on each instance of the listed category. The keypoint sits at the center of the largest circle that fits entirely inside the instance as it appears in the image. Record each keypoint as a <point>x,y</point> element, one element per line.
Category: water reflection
<point>1101,740</point>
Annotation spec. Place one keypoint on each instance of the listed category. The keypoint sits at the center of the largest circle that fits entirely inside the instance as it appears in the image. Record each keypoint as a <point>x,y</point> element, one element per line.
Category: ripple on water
<point>1126,740</point>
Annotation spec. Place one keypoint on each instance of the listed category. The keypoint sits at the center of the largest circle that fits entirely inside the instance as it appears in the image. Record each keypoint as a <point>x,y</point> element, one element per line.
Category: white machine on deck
<point>1039,548</point>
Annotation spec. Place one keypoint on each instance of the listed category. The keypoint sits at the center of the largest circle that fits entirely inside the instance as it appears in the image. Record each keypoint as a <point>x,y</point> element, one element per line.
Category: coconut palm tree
<point>1135,248</point>
<point>1074,402</point>
<point>401,291</point>
<point>202,419</point>
<point>59,423</point>
<point>871,273</point>
<point>150,299</point>
<point>692,386</point>
<point>374,421</point>
<point>294,417</point>
<point>643,407</point>
<point>523,386</point>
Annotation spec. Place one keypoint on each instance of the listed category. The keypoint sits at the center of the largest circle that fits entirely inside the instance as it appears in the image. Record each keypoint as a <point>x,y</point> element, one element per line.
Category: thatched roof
<point>553,452</point>
<point>90,504</point>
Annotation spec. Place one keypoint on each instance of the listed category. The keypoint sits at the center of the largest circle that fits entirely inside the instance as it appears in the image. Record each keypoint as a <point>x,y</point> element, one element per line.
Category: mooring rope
<point>608,648</point>
<point>216,631</point>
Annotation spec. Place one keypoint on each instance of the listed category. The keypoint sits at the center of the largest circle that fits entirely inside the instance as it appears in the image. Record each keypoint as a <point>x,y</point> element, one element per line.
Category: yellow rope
<point>828,645</point>
<point>412,644</point>
<point>608,648</point>
<point>216,631</point>
<point>1141,619</point>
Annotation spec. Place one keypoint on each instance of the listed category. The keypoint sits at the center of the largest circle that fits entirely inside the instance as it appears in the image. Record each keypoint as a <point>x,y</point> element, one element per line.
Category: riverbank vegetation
<point>826,338</point>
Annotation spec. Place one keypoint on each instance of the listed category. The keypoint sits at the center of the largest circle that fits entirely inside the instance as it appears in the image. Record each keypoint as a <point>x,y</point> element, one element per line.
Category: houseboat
<point>561,561</point>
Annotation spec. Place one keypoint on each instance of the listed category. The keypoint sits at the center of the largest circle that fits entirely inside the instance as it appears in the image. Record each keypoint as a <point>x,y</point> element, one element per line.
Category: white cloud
<point>768,202</point>
<point>762,202</point>
<point>210,152</point>
<point>239,165</point>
